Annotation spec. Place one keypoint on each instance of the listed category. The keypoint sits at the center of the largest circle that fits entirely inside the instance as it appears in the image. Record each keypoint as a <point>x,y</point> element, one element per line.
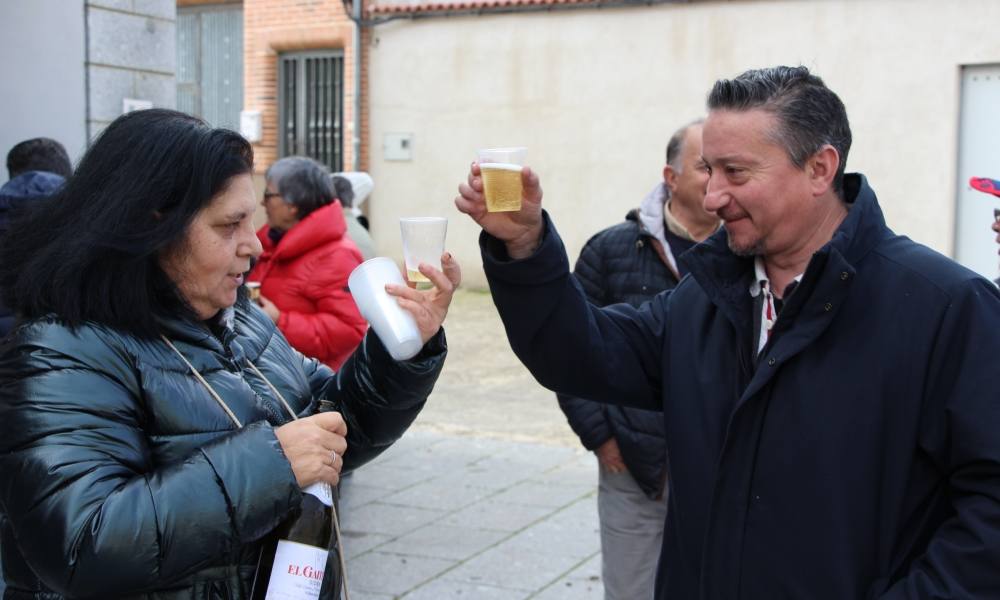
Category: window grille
<point>210,63</point>
<point>311,106</point>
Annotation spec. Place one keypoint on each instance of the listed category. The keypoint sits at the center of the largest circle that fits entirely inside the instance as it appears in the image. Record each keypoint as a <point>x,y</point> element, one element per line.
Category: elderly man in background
<point>632,262</point>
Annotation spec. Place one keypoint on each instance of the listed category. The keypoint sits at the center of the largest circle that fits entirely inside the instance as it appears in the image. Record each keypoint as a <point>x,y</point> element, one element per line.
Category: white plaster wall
<point>42,88</point>
<point>595,94</point>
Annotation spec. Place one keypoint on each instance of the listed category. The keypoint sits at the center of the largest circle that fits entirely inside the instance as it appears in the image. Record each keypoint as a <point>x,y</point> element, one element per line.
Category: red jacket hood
<point>322,226</point>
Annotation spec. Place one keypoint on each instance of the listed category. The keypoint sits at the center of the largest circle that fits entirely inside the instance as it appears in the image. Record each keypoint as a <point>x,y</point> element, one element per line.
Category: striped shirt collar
<point>761,283</point>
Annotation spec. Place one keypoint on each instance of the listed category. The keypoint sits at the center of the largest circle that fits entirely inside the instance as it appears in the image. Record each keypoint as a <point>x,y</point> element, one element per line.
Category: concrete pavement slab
<point>354,494</point>
<point>357,543</point>
<point>389,477</point>
<point>443,541</point>
<point>497,515</point>
<point>569,536</point>
<point>435,459</point>
<point>357,595</point>
<point>438,495</point>
<point>389,519</point>
<point>510,567</point>
<point>442,589</point>
<point>582,583</point>
<point>496,477</point>
<point>580,471</point>
<point>416,533</point>
<point>533,493</point>
<point>394,574</point>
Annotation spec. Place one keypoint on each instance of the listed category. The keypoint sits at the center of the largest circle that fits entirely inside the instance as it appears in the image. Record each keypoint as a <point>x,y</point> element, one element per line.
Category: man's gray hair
<point>302,182</point>
<point>676,145</point>
<point>809,114</point>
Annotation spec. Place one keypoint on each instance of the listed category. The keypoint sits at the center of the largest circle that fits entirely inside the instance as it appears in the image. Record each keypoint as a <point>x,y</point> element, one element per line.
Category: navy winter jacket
<point>859,459</point>
<point>14,195</point>
<point>620,264</point>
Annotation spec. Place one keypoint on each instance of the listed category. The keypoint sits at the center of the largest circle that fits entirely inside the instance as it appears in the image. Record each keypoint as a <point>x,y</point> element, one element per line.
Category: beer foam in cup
<point>500,166</point>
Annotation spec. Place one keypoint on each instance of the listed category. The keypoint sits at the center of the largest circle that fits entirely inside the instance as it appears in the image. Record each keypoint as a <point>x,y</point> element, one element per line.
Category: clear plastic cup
<point>423,241</point>
<point>501,172</point>
<point>394,326</point>
<point>253,290</point>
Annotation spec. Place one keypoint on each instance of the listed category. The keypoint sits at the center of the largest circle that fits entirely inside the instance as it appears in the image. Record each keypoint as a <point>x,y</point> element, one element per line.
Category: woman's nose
<point>252,246</point>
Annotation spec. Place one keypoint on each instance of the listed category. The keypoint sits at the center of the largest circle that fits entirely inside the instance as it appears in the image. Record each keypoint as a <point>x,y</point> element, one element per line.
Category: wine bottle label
<point>322,491</point>
<point>297,573</point>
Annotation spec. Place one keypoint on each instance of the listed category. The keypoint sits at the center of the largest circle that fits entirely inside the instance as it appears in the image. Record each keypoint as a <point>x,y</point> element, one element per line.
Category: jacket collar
<point>726,277</point>
<point>219,335</point>
<point>650,214</point>
<point>322,226</point>
<point>654,219</point>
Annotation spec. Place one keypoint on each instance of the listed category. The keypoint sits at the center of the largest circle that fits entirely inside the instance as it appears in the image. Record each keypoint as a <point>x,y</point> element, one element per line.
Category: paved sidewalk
<point>489,496</point>
<point>448,517</point>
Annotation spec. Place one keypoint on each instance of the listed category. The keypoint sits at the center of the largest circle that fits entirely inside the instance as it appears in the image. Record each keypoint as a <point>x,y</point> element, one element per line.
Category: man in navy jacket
<point>38,168</point>
<point>830,391</point>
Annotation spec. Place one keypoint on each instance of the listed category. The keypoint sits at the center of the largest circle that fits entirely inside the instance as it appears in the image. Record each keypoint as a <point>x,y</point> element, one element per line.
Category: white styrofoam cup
<point>394,326</point>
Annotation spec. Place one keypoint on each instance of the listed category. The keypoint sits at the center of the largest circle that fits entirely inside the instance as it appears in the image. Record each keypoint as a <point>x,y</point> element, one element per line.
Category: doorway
<point>978,156</point>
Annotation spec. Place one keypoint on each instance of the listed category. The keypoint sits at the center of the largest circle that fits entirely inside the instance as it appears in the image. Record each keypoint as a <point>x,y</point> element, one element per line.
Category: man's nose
<point>715,196</point>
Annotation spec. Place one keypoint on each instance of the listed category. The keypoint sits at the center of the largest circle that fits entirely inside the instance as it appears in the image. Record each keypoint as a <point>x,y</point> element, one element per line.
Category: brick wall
<point>204,2</point>
<point>274,26</point>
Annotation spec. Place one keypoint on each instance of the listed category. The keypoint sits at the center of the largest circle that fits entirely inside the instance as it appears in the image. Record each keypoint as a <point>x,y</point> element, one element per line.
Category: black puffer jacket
<point>621,264</point>
<point>122,477</point>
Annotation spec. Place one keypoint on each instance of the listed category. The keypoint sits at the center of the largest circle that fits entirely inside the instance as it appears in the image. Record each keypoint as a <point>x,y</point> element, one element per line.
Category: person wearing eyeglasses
<point>306,261</point>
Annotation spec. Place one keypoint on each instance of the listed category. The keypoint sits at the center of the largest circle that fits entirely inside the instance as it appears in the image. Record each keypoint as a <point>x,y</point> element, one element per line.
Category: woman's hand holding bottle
<point>315,447</point>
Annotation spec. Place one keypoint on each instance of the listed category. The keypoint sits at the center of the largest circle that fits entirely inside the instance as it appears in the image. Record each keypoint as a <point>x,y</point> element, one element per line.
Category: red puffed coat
<point>305,275</point>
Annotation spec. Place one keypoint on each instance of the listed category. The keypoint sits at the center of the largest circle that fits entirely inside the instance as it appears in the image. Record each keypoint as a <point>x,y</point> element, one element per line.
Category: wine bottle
<point>292,566</point>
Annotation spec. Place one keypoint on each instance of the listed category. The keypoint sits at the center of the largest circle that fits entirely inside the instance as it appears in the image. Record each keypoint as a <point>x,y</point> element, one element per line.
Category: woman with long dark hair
<point>147,436</point>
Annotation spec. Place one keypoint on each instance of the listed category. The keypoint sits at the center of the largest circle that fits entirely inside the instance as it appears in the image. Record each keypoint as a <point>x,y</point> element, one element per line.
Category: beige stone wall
<point>595,94</point>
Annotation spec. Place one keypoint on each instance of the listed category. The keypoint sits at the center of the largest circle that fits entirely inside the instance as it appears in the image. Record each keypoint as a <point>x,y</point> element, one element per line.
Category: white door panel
<point>978,156</point>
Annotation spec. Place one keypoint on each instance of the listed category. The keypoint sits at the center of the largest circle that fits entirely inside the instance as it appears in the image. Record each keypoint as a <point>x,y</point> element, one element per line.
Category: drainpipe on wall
<point>356,137</point>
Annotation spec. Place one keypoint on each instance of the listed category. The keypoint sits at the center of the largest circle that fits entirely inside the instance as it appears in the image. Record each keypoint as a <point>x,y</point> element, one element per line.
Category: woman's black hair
<point>91,252</point>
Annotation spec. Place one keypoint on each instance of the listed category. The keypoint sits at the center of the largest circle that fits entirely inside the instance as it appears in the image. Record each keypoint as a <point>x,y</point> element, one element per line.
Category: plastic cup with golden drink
<point>423,241</point>
<point>253,291</point>
<point>501,172</point>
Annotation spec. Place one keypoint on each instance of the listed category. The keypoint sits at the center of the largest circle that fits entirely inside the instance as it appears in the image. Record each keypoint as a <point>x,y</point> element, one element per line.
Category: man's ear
<point>670,178</point>
<point>822,168</point>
